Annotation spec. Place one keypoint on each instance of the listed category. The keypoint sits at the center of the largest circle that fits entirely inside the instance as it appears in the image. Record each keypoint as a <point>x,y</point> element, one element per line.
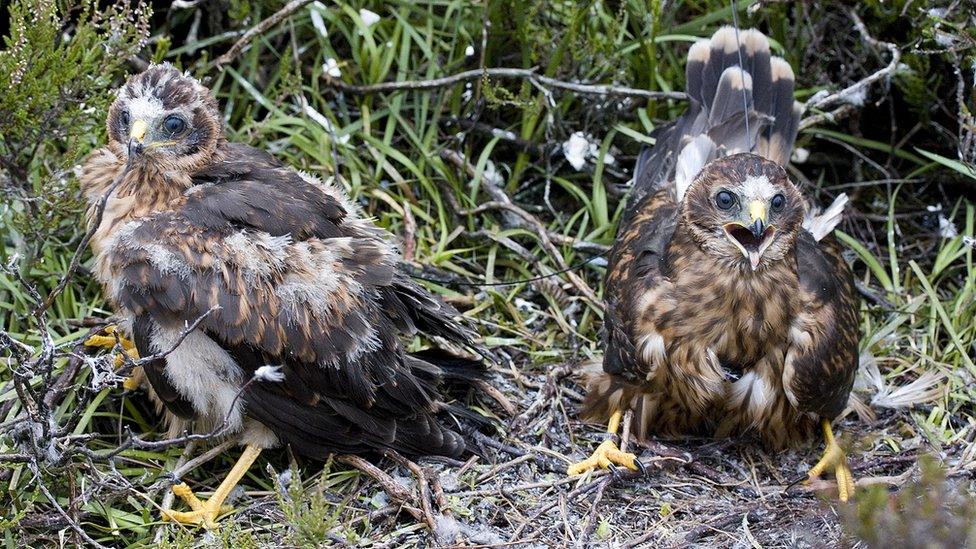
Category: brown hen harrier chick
<point>299,287</point>
<point>729,307</point>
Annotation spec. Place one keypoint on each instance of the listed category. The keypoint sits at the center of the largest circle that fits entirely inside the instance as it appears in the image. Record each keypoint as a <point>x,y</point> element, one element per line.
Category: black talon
<point>794,483</point>
<point>614,470</point>
<point>642,470</point>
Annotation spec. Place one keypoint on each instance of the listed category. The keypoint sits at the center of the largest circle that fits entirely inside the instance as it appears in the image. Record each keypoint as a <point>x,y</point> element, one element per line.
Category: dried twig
<point>257,30</point>
<point>820,102</point>
<point>527,74</point>
<point>409,233</point>
<point>73,524</point>
<point>393,488</point>
<point>423,489</point>
<point>82,246</point>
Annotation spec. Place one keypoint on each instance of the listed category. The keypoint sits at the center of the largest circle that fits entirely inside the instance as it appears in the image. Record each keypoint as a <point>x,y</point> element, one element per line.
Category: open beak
<point>136,136</point>
<point>752,239</point>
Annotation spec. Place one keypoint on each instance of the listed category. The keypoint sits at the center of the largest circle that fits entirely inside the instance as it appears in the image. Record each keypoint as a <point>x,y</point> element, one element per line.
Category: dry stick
<point>210,454</point>
<point>516,488</point>
<point>580,491</point>
<point>133,441</point>
<point>393,488</point>
<point>169,497</point>
<point>467,465</point>
<point>422,487</point>
<point>859,86</point>
<point>543,463</point>
<point>33,404</point>
<point>625,430</point>
<point>497,396</point>
<point>715,525</point>
<point>409,232</point>
<point>82,247</point>
<point>187,330</point>
<point>439,497</point>
<point>820,484</point>
<point>458,160</point>
<point>507,465</point>
<point>64,380</point>
<point>590,525</point>
<point>256,30</point>
<point>54,501</point>
<point>502,72</point>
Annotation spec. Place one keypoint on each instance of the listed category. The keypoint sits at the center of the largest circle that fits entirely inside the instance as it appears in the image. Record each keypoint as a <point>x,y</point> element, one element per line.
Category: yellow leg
<point>606,454</point>
<point>205,513</point>
<point>833,457</point>
<point>107,341</point>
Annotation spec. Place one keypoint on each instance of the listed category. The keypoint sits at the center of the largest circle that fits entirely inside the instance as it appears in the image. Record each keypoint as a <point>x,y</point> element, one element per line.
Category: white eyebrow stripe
<point>145,107</point>
<point>757,186</point>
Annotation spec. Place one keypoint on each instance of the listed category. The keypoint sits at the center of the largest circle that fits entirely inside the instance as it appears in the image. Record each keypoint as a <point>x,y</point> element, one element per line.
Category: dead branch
<point>257,30</point>
<point>819,101</point>
<point>501,72</point>
<point>393,488</point>
<point>57,506</point>
<point>423,488</point>
<point>82,246</point>
<point>184,333</point>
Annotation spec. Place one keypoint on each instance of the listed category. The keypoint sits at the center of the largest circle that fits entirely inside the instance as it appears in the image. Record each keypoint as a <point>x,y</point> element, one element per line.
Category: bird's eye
<point>124,118</point>
<point>777,202</point>
<point>724,200</point>
<point>174,125</point>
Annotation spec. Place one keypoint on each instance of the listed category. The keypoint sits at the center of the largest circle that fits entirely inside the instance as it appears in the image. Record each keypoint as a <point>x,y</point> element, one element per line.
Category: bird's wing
<point>637,267</point>
<point>714,125</point>
<point>637,273</point>
<point>296,280</point>
<point>822,357</point>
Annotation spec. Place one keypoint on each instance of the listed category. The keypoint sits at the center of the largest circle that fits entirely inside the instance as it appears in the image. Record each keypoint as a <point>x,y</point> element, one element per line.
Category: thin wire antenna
<point>469,284</point>
<point>742,76</point>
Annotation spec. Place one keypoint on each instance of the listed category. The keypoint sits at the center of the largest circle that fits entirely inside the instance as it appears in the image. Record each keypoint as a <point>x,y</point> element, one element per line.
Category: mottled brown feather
<point>696,341</point>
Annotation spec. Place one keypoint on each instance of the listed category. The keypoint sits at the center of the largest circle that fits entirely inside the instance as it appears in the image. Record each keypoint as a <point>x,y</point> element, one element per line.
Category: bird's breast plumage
<point>739,315</point>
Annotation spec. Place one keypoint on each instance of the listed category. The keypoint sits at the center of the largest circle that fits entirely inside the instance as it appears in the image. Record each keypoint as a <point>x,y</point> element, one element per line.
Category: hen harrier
<point>286,278</point>
<point>729,306</point>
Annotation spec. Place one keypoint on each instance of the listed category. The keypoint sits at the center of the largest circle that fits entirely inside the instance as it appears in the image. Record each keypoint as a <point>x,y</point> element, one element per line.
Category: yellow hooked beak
<point>757,216</point>
<point>752,239</point>
<point>138,131</point>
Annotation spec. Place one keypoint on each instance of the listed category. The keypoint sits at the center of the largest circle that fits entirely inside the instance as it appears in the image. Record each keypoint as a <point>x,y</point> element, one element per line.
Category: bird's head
<point>743,208</point>
<point>163,117</point>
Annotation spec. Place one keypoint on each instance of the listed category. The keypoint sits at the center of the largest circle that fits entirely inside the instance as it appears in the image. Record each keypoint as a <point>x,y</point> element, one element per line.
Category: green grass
<point>388,150</point>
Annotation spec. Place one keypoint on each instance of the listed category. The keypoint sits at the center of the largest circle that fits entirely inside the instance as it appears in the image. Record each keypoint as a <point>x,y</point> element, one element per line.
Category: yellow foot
<point>834,458</point>
<point>606,455</point>
<point>202,513</point>
<point>107,340</point>
<point>131,383</point>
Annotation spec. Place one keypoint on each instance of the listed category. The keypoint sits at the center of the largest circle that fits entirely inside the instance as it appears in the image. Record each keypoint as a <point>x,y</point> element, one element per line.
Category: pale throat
<point>153,184</point>
<point>145,189</point>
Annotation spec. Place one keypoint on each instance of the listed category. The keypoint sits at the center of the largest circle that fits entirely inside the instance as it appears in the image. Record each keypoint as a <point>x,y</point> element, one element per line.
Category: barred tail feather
<point>733,95</point>
<point>776,143</point>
